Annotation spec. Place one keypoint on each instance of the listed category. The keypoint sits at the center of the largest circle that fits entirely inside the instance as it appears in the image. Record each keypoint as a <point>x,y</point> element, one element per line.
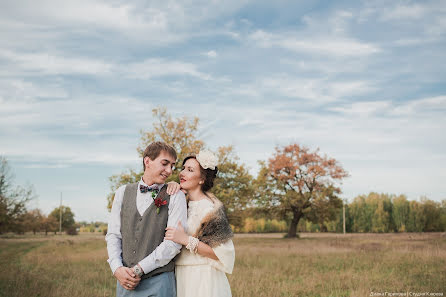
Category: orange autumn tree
<point>300,181</point>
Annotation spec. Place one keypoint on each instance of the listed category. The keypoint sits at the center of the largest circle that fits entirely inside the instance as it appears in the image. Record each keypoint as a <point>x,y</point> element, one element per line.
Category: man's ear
<point>147,161</point>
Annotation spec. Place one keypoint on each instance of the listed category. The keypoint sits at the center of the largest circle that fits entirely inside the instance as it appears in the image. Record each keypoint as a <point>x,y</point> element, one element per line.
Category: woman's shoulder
<point>214,200</point>
<point>215,228</point>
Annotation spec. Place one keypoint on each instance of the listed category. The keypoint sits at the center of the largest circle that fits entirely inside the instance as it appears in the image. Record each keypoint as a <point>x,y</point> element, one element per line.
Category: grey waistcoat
<point>142,234</point>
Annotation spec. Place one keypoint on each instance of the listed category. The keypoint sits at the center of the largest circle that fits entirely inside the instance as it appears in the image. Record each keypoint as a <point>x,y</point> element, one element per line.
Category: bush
<point>71,231</point>
<point>261,225</point>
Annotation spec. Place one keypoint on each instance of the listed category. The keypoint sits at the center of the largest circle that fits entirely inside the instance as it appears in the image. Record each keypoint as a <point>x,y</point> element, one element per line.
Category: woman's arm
<point>206,251</point>
<point>178,235</point>
<point>173,187</point>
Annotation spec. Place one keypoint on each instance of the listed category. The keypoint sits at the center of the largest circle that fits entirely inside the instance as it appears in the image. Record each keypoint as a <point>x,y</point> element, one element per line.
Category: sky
<point>363,81</point>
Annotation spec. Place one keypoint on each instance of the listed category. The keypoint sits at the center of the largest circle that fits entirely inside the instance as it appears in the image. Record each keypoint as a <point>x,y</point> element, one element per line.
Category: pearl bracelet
<point>192,245</point>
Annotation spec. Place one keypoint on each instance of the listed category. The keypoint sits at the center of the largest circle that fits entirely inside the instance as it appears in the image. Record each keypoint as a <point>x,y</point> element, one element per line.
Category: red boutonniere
<point>158,203</point>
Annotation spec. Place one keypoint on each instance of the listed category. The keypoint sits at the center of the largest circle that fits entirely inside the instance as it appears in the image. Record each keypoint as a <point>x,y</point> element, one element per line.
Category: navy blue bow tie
<point>145,189</point>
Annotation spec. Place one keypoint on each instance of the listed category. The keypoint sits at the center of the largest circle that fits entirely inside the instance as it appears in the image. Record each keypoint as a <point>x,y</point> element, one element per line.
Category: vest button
<point>134,252</point>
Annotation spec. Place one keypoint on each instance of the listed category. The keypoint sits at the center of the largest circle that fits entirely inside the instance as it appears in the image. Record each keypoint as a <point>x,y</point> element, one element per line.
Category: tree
<point>417,220</point>
<point>33,220</point>
<point>360,214</point>
<point>50,224</point>
<point>180,133</point>
<point>233,185</point>
<point>67,217</point>
<point>12,200</point>
<point>298,177</point>
<point>380,219</point>
<point>443,215</point>
<point>326,206</point>
<point>432,215</point>
<point>121,179</point>
<point>401,213</point>
<point>379,206</point>
<point>390,213</point>
<point>233,182</point>
<point>372,213</point>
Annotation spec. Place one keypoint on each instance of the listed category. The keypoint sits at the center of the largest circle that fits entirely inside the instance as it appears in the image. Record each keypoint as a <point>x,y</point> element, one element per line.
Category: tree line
<point>296,189</point>
<point>391,213</point>
<point>14,215</point>
<point>296,186</point>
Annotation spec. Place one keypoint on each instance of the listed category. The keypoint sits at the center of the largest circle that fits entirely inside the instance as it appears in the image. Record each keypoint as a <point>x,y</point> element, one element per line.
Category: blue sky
<point>362,80</point>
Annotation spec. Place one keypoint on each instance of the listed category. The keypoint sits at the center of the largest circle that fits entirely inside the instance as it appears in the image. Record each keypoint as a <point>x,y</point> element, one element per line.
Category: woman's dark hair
<point>207,174</point>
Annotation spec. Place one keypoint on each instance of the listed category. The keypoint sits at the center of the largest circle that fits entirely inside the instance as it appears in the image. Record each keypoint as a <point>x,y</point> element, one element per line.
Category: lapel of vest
<point>162,193</point>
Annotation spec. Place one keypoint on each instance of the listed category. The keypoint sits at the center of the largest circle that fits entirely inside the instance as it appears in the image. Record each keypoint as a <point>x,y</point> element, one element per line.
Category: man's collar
<point>158,186</point>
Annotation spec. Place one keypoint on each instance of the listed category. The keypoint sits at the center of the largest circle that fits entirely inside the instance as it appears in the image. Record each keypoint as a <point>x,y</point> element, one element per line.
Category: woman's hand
<point>173,187</point>
<point>177,234</point>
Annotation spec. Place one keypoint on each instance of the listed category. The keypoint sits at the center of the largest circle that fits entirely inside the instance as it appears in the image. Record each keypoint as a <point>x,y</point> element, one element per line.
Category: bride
<point>207,252</point>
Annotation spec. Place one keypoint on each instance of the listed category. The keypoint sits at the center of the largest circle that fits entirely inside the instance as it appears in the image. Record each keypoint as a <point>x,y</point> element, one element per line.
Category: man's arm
<point>124,275</point>
<point>168,249</point>
<point>113,237</point>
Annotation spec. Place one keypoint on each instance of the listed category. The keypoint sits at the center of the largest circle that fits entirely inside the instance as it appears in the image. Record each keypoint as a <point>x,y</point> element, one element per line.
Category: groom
<point>139,257</point>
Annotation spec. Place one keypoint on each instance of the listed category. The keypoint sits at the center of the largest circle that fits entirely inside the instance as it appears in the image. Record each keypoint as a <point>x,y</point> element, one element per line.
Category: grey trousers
<point>161,285</point>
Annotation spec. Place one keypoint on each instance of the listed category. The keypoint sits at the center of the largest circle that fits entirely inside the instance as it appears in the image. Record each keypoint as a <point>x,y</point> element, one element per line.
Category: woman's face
<point>190,176</point>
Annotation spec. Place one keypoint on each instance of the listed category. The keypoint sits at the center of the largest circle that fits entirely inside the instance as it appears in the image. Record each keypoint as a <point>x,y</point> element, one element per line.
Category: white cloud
<point>321,45</point>
<point>419,107</point>
<point>414,11</point>
<point>409,41</point>
<point>161,67</point>
<point>211,54</point>
<point>317,90</point>
<point>86,13</point>
<point>48,152</point>
<point>364,108</point>
<point>340,21</point>
<point>420,21</point>
<point>431,104</point>
<point>19,91</point>
<point>38,64</point>
<point>154,23</point>
<point>50,64</point>
<point>327,67</point>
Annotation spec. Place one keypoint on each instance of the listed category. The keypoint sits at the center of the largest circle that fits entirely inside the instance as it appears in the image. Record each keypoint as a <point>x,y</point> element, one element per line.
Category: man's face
<point>160,169</point>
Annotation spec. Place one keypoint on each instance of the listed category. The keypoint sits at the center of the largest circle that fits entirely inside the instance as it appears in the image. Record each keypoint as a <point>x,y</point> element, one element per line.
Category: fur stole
<point>214,227</point>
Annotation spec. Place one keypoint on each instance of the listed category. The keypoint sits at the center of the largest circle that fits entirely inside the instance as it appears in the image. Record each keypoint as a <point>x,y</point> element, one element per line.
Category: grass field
<point>266,265</point>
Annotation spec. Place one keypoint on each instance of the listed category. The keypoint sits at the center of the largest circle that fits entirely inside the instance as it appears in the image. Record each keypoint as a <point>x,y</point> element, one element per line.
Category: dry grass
<point>339,265</point>
<point>266,265</point>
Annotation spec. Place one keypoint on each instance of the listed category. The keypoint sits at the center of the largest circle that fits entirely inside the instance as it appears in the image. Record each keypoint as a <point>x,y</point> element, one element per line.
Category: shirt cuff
<point>147,265</point>
<point>115,264</point>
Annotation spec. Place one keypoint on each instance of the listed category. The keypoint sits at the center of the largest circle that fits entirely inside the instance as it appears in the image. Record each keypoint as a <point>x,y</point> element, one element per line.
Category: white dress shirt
<point>166,251</point>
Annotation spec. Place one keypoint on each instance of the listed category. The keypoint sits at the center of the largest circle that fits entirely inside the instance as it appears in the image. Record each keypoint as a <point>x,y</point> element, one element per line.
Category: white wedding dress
<point>199,276</point>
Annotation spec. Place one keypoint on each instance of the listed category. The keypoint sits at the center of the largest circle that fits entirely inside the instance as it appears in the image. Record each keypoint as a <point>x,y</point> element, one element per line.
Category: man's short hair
<point>154,149</point>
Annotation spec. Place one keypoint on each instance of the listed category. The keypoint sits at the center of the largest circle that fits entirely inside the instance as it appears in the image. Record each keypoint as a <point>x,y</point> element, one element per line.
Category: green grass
<point>266,265</point>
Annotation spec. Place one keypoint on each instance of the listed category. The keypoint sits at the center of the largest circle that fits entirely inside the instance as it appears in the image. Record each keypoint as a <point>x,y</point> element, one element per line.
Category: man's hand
<point>177,234</point>
<point>127,278</point>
